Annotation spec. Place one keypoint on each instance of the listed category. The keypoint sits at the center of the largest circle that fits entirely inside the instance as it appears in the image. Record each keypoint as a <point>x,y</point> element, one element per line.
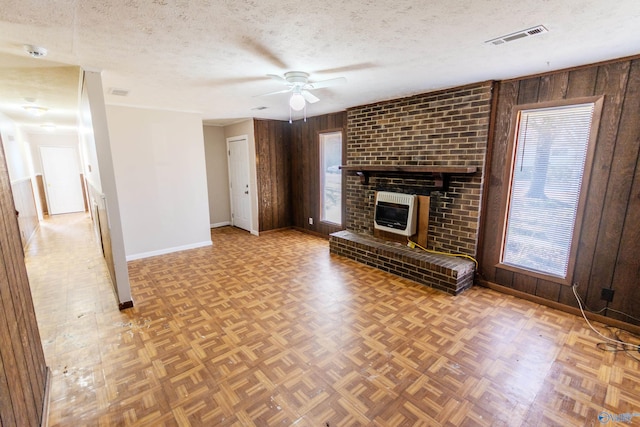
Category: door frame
<point>42,149</point>
<point>244,139</point>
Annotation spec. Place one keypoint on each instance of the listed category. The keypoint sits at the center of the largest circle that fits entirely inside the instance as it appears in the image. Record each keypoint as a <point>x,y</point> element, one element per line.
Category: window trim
<point>342,181</point>
<point>584,189</point>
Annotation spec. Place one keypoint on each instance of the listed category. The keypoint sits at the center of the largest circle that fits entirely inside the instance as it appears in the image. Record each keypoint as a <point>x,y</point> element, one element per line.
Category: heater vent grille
<point>396,213</point>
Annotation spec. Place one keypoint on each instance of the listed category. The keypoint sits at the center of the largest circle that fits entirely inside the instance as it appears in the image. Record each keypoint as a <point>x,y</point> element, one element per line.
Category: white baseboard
<point>168,250</point>
<point>255,233</point>
<point>221,224</point>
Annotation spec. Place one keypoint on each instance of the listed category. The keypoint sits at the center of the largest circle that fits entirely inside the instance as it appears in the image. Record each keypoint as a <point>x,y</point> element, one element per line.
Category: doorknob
<point>246,192</point>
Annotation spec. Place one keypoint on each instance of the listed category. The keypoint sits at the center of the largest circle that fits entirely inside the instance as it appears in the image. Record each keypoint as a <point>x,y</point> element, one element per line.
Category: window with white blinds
<point>546,179</point>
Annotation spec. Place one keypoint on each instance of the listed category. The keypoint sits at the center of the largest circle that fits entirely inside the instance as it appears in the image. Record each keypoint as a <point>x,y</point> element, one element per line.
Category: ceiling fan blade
<point>276,92</point>
<point>278,78</point>
<point>326,83</point>
<point>309,97</point>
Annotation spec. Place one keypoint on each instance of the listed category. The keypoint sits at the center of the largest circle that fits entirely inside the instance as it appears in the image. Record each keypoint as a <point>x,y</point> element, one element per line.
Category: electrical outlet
<point>310,221</point>
<point>607,294</point>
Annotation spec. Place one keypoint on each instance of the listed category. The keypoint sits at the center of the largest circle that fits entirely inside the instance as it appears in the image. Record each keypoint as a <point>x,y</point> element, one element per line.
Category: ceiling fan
<point>298,84</point>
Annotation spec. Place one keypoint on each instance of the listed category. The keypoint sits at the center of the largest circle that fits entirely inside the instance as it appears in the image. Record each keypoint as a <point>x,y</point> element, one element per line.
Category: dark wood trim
<point>573,69</point>
<point>42,195</point>
<point>495,91</point>
<point>125,305</point>
<point>275,230</point>
<point>559,306</point>
<point>84,193</point>
<point>311,232</point>
<point>440,173</point>
<point>508,175</point>
<point>44,422</point>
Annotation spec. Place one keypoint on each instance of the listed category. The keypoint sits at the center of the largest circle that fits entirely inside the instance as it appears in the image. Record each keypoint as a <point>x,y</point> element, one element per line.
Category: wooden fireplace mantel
<point>440,173</point>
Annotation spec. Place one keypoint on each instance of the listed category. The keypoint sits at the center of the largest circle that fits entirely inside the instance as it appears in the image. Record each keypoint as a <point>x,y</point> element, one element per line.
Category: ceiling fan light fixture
<point>297,101</point>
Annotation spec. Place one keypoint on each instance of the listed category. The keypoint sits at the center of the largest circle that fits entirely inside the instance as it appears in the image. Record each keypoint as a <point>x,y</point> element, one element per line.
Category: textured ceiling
<point>212,56</point>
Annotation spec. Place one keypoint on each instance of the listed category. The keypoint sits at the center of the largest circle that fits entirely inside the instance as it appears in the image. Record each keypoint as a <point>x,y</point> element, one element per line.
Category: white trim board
<point>220,224</point>
<point>169,250</point>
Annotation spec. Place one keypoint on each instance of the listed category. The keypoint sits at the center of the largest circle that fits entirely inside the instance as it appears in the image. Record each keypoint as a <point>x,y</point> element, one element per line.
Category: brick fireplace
<point>445,128</point>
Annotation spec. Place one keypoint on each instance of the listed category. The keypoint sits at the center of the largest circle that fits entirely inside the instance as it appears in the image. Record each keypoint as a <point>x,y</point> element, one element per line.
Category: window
<point>550,163</point>
<point>331,177</point>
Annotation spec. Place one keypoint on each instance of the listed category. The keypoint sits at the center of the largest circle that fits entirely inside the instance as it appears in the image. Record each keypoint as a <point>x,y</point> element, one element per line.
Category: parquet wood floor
<point>273,330</point>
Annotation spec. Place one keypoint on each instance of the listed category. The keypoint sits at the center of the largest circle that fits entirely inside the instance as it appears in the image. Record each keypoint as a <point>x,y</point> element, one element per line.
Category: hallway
<point>74,302</point>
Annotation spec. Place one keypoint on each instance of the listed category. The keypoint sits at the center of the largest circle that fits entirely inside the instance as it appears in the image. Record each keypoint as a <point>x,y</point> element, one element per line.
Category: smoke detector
<point>35,51</point>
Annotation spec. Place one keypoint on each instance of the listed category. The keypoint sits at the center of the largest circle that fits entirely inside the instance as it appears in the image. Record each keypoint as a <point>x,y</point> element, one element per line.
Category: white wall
<point>215,148</point>
<point>159,164</point>
<point>95,138</point>
<point>15,149</point>
<point>246,128</point>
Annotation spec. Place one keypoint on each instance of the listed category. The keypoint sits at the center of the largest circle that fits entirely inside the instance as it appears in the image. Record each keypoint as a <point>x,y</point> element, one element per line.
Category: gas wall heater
<point>396,213</point>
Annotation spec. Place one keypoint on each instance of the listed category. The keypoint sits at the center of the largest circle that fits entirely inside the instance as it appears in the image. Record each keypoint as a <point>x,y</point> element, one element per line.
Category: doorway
<point>62,179</point>
<point>238,150</point>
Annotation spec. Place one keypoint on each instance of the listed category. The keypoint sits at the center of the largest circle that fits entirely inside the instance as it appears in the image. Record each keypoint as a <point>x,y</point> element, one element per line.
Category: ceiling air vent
<point>118,92</point>
<point>533,31</point>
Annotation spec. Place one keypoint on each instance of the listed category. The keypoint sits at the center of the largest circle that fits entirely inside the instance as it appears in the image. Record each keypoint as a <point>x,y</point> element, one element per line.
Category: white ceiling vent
<point>533,31</point>
<point>118,92</point>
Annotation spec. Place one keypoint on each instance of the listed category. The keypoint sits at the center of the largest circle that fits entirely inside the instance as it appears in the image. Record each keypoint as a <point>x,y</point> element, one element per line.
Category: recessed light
<point>35,111</point>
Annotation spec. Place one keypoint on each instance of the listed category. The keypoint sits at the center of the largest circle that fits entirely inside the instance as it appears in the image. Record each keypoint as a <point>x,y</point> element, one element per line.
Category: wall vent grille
<point>118,92</point>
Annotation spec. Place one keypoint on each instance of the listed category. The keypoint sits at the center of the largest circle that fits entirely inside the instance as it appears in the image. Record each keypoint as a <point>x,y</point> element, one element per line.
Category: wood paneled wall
<point>305,170</point>
<point>609,243</point>
<point>288,172</point>
<point>273,168</point>
<point>23,370</point>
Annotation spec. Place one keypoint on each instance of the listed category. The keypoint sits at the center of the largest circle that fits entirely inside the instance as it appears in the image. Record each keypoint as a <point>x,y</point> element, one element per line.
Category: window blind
<point>550,153</point>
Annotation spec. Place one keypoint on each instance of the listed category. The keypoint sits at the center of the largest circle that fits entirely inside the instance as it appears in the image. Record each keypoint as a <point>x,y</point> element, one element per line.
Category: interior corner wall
<point>247,128</point>
<point>95,137</point>
<point>215,149</point>
<point>273,171</point>
<point>159,164</point>
<point>305,170</point>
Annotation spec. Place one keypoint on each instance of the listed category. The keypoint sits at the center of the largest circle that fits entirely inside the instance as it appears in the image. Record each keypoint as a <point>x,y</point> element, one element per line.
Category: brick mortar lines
<point>444,128</point>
